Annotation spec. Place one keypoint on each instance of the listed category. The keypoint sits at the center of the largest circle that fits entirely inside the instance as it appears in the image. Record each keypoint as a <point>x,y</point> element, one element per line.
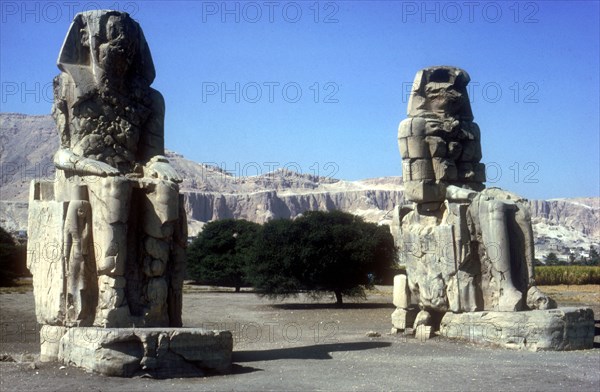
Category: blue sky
<point>320,87</point>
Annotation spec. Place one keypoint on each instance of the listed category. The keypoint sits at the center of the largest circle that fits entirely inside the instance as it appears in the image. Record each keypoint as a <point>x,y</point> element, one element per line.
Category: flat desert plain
<point>298,344</point>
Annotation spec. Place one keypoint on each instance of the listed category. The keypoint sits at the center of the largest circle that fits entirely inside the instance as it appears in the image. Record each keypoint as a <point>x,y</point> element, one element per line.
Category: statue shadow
<point>316,351</point>
<point>353,305</point>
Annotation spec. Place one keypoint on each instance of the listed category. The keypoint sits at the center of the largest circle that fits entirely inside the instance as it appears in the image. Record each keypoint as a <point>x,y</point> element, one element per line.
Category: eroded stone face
<point>113,213</point>
<point>466,248</point>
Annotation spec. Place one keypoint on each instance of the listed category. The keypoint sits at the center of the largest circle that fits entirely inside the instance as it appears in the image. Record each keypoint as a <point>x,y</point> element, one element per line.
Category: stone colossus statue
<point>465,247</point>
<point>111,165</point>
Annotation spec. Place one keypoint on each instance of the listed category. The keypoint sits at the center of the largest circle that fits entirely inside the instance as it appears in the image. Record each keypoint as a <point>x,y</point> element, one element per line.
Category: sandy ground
<point>301,345</point>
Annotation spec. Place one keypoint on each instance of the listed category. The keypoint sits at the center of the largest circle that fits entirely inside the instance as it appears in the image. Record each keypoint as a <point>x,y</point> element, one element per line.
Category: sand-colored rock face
<point>32,140</point>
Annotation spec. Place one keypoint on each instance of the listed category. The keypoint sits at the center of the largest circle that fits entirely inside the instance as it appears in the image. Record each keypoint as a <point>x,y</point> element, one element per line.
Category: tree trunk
<point>237,289</point>
<point>338,298</point>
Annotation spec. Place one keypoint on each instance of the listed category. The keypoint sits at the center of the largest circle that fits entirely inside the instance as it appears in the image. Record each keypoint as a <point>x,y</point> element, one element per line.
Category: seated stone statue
<point>465,247</point>
<point>115,183</point>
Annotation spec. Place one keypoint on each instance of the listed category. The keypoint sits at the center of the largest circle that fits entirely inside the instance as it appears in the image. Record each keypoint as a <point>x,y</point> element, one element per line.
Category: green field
<point>567,274</point>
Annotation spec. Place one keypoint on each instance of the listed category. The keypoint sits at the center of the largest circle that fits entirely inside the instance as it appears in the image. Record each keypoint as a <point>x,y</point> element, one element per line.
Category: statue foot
<point>536,299</point>
<point>511,300</point>
<point>423,318</point>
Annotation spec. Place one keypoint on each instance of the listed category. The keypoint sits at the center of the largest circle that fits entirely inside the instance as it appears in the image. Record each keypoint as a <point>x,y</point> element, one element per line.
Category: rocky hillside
<point>28,143</point>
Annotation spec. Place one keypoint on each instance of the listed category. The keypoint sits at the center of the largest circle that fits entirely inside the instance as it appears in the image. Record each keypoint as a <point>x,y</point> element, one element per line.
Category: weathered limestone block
<point>462,293</point>
<point>111,292</point>
<point>535,330</point>
<point>158,352</point>
<point>156,248</point>
<point>116,317</point>
<point>163,196</point>
<point>423,332</point>
<point>427,191</point>
<point>418,169</point>
<point>404,318</point>
<point>479,169</point>
<point>403,147</point>
<point>50,336</point>
<point>423,318</point>
<point>444,169</point>
<point>412,127</point>
<point>417,147</point>
<point>471,151</point>
<point>45,256</point>
<point>536,299</point>
<point>465,171</point>
<point>454,150</point>
<point>438,148</point>
<point>401,292</point>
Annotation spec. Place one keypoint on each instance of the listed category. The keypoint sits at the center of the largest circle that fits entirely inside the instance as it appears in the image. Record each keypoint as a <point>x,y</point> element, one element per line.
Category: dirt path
<point>300,345</point>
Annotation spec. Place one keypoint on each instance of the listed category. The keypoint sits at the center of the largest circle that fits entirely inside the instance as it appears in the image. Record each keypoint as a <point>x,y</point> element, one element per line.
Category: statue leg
<point>536,299</point>
<point>71,293</point>
<point>494,233</point>
<point>110,200</point>
<point>160,215</point>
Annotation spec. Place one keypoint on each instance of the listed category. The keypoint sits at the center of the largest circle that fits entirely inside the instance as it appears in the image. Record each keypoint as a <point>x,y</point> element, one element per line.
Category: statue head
<point>120,42</point>
<point>103,99</point>
<point>105,45</point>
<point>81,212</point>
<point>439,142</point>
<point>440,92</point>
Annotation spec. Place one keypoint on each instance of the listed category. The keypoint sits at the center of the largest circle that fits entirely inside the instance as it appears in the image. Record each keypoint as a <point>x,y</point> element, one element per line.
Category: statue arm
<point>457,193</point>
<point>159,167</point>
<point>66,159</point>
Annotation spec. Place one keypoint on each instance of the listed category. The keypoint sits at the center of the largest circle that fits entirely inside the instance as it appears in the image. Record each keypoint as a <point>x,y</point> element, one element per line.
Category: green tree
<point>278,270</point>
<point>594,258</point>
<point>322,252</point>
<point>551,259</point>
<point>222,252</point>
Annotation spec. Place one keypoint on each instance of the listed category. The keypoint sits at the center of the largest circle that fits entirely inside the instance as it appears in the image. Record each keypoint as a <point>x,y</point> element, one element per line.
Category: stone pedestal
<point>536,330</point>
<point>404,318</point>
<point>127,352</point>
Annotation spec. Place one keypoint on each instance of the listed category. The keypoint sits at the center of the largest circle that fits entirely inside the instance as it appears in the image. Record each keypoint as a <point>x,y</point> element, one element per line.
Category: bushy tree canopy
<point>322,252</point>
<point>221,253</point>
<point>551,259</point>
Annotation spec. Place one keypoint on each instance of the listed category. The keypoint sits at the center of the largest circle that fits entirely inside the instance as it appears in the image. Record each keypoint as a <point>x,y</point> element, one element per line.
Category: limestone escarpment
<point>28,143</point>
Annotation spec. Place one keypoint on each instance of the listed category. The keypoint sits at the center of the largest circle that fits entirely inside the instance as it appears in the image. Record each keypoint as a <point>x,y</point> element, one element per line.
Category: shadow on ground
<point>316,351</point>
<point>357,305</point>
